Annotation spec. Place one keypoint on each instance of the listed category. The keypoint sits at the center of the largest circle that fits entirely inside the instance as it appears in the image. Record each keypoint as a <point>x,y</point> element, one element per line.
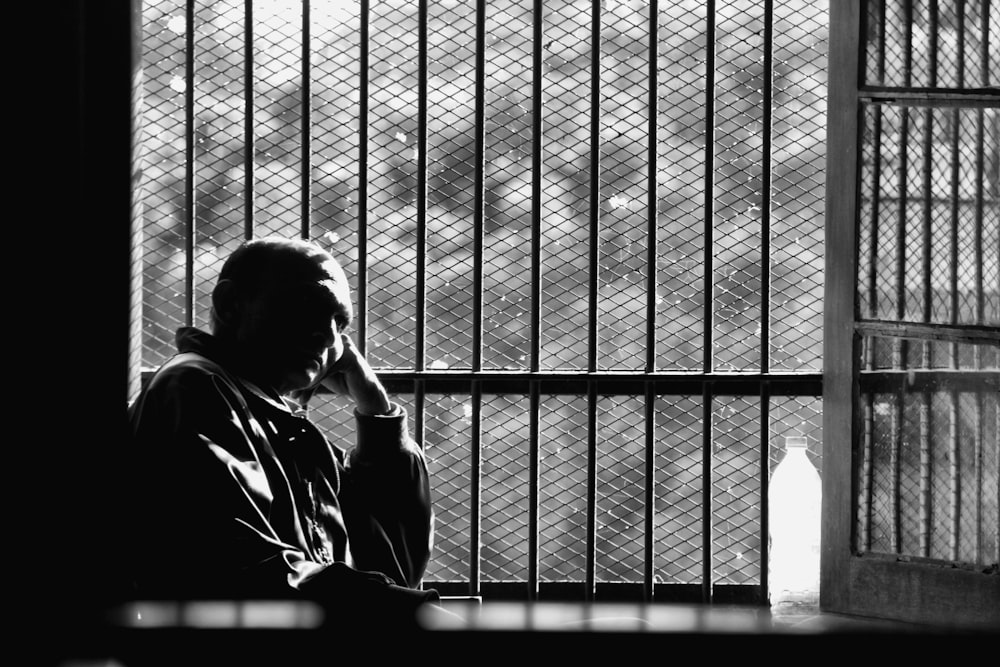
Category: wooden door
<point>912,312</point>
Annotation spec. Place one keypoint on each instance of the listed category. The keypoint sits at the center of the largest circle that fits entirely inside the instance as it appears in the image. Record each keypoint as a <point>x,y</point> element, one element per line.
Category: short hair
<point>259,262</point>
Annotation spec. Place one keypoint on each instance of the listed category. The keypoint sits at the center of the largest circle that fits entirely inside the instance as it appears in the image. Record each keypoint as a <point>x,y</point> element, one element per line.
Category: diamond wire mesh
<point>278,99</point>
<point>738,199</point>
<point>945,503</point>
<point>448,423</point>
<point>392,181</point>
<point>795,416</point>
<point>565,201</point>
<point>798,187</point>
<point>735,490</point>
<point>951,210</point>
<point>451,179</point>
<point>505,493</point>
<point>961,59</point>
<point>619,539</point>
<point>623,186</point>
<point>680,299</point>
<point>509,181</point>
<point>869,203</point>
<point>335,141</point>
<point>163,175</point>
<point>562,491</point>
<point>278,127</point>
<point>991,217</point>
<point>679,481</point>
<point>220,179</point>
<point>879,507</point>
<point>909,458</point>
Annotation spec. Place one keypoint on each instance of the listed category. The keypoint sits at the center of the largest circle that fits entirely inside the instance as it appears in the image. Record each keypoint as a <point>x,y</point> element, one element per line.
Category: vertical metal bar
<point>190,214</point>
<point>956,121</point>
<point>960,45</point>
<point>652,206</point>
<point>977,240</point>
<point>591,490</point>
<point>595,184</point>
<point>928,172</point>
<point>866,472</point>
<point>880,63</point>
<point>954,478</point>
<point>475,490</point>
<point>925,474</point>
<point>420,362</point>
<point>709,185</point>
<point>364,43</point>
<point>649,531</point>
<point>418,411</point>
<point>536,186</point>
<point>903,194</point>
<point>980,484</point>
<point>649,496</point>
<point>592,342</point>
<point>984,44</point>
<point>306,120</point>
<point>933,28</point>
<point>533,490</point>
<point>873,296</point>
<point>479,184</point>
<point>980,318</point>
<point>764,479</point>
<point>706,492</point>
<point>895,472</point>
<point>765,192</point>
<point>954,453</point>
<point>901,346</point>
<point>249,164</point>
<point>927,350</point>
<point>134,321</point>
<point>907,43</point>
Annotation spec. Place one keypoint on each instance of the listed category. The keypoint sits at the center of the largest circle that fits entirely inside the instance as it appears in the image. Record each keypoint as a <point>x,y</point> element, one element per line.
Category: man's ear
<point>226,302</point>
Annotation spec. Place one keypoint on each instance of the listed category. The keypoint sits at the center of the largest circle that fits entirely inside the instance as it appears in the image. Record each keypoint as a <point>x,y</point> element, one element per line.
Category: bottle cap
<point>796,441</point>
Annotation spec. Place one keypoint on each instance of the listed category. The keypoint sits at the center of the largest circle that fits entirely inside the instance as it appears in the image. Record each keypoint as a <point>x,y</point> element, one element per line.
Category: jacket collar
<point>197,341</point>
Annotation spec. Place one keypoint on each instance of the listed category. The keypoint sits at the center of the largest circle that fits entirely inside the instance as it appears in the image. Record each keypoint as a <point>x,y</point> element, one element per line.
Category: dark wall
<point>72,323</point>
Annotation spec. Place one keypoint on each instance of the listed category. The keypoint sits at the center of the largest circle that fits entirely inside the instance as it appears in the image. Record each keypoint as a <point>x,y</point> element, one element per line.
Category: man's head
<point>281,305</point>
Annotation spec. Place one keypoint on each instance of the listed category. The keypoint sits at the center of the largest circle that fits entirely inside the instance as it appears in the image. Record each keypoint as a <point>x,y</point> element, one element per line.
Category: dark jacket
<point>237,494</point>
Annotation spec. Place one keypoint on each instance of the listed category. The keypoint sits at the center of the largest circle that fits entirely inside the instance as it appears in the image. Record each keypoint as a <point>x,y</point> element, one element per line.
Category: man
<point>235,493</point>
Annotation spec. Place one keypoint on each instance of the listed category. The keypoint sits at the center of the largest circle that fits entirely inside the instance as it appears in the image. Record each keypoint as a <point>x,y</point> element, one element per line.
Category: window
<point>586,241</point>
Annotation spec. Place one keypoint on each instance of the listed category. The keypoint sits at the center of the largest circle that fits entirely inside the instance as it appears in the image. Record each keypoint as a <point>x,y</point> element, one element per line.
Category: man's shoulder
<point>191,374</point>
<point>187,365</point>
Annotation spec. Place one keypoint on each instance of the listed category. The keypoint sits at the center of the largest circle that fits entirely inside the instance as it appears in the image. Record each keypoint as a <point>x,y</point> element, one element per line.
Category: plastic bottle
<point>794,498</point>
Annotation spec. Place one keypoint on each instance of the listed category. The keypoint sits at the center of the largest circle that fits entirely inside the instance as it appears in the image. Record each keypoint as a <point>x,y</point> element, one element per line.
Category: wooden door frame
<point>882,586</point>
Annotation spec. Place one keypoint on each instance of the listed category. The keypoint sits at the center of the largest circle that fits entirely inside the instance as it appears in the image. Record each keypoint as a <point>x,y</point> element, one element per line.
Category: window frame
<point>648,383</point>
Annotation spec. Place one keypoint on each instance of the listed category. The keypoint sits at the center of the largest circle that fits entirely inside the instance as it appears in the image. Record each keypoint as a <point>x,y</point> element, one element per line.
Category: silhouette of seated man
<point>234,493</point>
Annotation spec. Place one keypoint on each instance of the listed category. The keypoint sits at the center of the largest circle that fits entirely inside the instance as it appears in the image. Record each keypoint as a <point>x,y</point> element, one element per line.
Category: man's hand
<point>350,375</point>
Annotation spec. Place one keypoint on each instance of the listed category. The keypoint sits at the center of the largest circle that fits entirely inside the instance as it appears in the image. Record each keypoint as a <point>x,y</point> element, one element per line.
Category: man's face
<point>290,333</point>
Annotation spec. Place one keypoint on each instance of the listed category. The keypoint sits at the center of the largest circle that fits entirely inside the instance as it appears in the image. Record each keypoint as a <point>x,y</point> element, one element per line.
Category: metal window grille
<point>928,286</point>
<point>585,239</point>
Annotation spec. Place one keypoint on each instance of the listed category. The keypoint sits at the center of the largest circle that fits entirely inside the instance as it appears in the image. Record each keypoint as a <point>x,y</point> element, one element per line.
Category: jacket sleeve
<point>386,499</point>
<point>199,493</point>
